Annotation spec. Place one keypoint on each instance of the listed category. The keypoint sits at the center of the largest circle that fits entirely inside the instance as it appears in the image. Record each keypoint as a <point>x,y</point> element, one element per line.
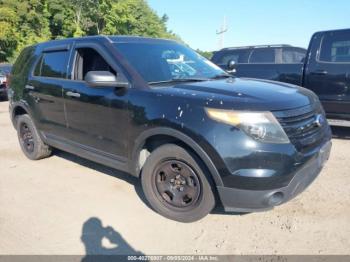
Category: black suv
<point>154,108</point>
<point>5,70</point>
<point>325,69</point>
<point>264,61</point>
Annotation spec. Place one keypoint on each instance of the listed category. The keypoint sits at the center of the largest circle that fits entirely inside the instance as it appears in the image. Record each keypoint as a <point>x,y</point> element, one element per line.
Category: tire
<point>170,168</point>
<point>30,141</point>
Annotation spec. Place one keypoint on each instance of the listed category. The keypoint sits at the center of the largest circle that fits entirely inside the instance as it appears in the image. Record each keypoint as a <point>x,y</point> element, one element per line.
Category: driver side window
<point>87,59</point>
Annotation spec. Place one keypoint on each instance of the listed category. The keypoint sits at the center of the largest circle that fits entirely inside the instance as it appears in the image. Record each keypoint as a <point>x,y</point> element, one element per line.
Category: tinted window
<point>335,47</point>
<point>262,55</point>
<point>239,56</point>
<point>292,56</point>
<point>52,64</point>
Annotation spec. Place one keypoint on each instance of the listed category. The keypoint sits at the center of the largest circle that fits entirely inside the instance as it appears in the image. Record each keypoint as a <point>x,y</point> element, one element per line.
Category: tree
<point>8,34</point>
<point>22,22</point>
<point>206,54</point>
<point>25,22</point>
<point>61,19</point>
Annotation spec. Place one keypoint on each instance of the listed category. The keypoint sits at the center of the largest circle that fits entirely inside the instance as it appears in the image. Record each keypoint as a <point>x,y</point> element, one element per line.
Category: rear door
<point>44,90</point>
<point>328,71</point>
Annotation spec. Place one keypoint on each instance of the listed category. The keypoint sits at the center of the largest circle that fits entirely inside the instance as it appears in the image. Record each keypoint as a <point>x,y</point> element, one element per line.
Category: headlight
<point>261,126</point>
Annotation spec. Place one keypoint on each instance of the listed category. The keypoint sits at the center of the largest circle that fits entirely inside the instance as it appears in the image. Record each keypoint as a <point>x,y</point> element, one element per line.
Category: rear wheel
<point>30,141</point>
<point>175,184</point>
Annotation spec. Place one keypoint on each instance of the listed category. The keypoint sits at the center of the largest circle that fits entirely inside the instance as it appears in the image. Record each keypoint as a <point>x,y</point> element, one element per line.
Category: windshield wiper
<point>175,80</point>
<point>221,76</point>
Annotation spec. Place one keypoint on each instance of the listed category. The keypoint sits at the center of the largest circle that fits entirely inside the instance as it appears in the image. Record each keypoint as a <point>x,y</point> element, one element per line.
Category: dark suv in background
<point>265,61</point>
<point>325,69</point>
<point>156,109</point>
<point>5,70</point>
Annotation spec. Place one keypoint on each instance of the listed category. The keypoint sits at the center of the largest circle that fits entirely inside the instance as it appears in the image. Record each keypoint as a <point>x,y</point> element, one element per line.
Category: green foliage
<point>206,54</point>
<point>26,22</point>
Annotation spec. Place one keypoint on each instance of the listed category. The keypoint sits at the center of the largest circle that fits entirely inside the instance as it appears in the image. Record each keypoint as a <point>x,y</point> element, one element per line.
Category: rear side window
<point>262,55</point>
<point>223,57</point>
<point>335,47</point>
<point>292,55</point>
<point>52,64</point>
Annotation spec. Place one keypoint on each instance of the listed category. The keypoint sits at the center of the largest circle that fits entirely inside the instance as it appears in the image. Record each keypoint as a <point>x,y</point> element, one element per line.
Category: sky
<point>252,22</point>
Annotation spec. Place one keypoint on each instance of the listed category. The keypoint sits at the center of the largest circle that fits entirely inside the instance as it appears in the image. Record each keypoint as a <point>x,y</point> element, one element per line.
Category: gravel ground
<point>67,205</point>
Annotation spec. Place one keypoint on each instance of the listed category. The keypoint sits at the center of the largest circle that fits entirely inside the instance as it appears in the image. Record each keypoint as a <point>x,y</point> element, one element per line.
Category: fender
<point>16,104</point>
<point>140,141</point>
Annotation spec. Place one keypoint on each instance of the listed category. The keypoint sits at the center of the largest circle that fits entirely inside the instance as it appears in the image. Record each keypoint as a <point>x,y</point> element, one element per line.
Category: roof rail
<point>256,46</point>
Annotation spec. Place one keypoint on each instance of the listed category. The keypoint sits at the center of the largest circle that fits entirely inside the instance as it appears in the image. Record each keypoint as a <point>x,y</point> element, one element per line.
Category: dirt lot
<point>67,205</point>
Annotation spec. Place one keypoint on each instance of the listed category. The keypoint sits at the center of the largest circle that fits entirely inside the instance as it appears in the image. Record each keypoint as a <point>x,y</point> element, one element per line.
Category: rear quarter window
<point>292,55</point>
<point>52,64</point>
<point>24,60</point>
<point>262,56</point>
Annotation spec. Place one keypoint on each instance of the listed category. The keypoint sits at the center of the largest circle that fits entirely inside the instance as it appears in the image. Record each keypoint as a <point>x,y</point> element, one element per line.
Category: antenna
<point>221,33</point>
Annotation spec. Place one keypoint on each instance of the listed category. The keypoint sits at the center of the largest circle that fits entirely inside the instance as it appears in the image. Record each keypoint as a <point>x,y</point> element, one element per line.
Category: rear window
<point>262,55</point>
<point>335,47</point>
<point>52,64</point>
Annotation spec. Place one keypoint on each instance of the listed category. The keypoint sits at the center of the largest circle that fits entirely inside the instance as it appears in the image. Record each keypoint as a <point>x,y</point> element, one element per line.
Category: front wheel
<point>175,184</point>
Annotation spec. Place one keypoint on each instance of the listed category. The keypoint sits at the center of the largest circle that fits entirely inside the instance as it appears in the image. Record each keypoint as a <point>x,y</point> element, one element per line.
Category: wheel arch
<point>17,109</point>
<point>169,135</point>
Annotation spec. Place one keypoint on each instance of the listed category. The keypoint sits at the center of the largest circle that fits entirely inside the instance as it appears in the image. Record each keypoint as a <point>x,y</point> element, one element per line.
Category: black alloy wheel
<point>26,138</point>
<point>177,184</point>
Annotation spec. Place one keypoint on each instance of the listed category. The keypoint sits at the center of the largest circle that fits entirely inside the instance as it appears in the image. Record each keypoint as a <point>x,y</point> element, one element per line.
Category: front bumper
<point>243,200</point>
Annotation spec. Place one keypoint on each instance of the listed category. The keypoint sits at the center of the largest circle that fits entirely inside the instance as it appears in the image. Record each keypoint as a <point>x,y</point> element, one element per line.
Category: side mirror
<point>103,79</point>
<point>231,66</point>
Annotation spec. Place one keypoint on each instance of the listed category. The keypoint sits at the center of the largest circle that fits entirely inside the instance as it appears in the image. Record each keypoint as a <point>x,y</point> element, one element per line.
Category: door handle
<point>72,94</point>
<point>319,72</point>
<point>29,87</point>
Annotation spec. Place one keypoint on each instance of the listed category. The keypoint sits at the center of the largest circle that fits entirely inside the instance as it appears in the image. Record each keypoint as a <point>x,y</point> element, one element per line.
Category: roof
<point>128,38</point>
<point>336,30</point>
<point>113,39</point>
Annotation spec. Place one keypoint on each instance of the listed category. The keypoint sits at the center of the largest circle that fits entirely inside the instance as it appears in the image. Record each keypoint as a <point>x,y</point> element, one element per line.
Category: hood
<point>248,94</point>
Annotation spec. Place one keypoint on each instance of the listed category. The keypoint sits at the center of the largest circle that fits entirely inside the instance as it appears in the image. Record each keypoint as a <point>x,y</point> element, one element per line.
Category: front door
<point>329,74</point>
<point>97,117</point>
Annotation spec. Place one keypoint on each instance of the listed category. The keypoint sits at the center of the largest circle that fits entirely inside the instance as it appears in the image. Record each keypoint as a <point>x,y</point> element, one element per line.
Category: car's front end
<point>267,140</point>
<point>262,168</point>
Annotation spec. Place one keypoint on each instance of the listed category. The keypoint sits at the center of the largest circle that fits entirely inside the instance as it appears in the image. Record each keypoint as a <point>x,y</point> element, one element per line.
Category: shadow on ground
<point>95,237</point>
<point>341,132</point>
<point>218,210</point>
<point>105,170</point>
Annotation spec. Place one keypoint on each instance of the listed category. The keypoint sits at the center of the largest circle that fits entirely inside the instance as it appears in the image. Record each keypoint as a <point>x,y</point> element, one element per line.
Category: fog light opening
<point>276,199</point>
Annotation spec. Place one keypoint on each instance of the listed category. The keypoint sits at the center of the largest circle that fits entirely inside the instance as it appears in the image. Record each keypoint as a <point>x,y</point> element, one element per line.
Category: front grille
<point>301,126</point>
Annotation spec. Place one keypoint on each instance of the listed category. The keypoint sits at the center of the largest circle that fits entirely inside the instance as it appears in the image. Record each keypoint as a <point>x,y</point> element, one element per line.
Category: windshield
<point>161,62</point>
